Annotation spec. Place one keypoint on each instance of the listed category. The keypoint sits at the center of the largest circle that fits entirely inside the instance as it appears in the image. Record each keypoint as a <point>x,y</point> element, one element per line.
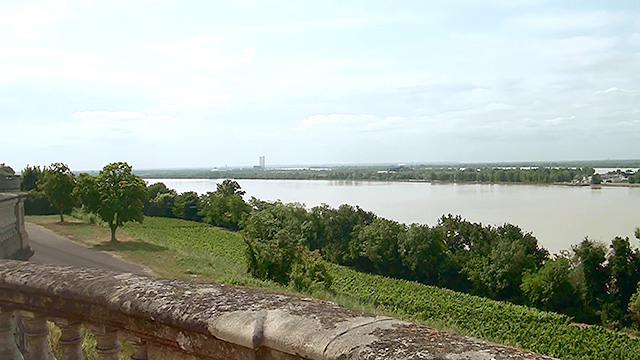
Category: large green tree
<point>116,195</point>
<point>57,184</point>
<point>225,206</point>
<point>185,206</point>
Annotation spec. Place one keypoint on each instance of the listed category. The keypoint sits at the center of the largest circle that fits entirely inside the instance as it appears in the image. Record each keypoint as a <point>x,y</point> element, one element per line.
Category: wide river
<point>558,216</point>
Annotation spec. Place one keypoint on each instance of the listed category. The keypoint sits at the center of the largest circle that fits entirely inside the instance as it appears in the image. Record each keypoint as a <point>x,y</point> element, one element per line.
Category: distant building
<point>262,162</point>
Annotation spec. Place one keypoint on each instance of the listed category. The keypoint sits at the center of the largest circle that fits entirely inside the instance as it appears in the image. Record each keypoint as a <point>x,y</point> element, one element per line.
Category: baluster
<point>139,349</point>
<point>108,346</point>
<point>36,331</point>
<point>71,339</point>
<point>8,348</point>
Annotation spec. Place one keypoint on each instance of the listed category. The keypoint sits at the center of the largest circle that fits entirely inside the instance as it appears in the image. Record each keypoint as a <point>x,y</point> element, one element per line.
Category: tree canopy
<point>57,184</point>
<point>116,195</point>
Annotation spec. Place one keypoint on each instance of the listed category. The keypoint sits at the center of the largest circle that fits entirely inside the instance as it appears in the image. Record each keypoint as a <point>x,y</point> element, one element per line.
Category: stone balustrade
<point>14,241</point>
<point>172,319</point>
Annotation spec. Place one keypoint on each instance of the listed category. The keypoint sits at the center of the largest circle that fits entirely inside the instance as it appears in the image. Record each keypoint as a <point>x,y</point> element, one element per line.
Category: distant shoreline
<point>433,182</point>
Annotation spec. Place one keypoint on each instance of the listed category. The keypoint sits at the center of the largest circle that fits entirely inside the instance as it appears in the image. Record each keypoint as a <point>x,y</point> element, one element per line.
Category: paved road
<point>51,248</point>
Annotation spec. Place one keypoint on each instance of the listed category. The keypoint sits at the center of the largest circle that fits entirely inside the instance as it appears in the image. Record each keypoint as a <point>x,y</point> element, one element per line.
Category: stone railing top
<point>240,316</point>
<point>9,196</point>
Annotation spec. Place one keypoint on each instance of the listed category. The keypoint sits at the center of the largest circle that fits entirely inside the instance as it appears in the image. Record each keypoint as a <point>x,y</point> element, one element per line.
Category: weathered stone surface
<point>207,321</point>
<point>14,240</point>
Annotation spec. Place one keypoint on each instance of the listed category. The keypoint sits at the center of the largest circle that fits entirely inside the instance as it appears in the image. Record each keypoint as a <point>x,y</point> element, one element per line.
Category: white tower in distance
<point>262,162</point>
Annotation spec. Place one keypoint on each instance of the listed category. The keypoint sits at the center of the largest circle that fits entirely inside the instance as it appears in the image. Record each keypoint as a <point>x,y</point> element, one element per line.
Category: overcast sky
<point>166,84</point>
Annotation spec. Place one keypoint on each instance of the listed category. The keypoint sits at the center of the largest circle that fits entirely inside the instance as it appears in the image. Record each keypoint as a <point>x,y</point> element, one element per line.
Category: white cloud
<point>610,91</point>
<point>353,123</point>
<point>183,103</point>
<point>567,21</point>
<point>203,51</point>
<point>26,22</point>
<point>122,124</point>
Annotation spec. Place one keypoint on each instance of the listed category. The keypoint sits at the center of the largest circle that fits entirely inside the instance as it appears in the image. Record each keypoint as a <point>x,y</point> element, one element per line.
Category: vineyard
<point>501,322</point>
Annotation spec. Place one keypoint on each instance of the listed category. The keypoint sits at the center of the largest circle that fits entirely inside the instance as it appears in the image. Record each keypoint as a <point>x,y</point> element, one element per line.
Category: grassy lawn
<point>189,250</point>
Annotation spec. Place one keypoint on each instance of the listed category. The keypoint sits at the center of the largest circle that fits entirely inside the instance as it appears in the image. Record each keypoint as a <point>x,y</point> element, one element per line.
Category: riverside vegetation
<point>318,251</point>
<point>516,173</point>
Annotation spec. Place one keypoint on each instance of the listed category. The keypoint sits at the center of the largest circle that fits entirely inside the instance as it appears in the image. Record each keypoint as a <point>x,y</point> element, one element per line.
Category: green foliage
<point>57,185</point>
<point>495,266</point>
<point>37,204</point>
<point>310,272</point>
<point>624,270</point>
<point>224,207</point>
<point>332,228</point>
<point>423,251</point>
<point>634,306</point>
<point>115,195</point>
<point>502,322</point>
<point>29,178</point>
<point>272,259</point>
<point>160,201</point>
<point>550,288</point>
<point>275,235</point>
<point>591,270</point>
<point>269,218</point>
<point>375,247</point>
<point>476,173</point>
<point>185,206</point>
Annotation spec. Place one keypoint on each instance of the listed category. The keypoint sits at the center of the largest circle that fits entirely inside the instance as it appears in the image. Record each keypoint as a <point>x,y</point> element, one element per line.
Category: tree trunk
<point>113,235</point>
<point>61,217</point>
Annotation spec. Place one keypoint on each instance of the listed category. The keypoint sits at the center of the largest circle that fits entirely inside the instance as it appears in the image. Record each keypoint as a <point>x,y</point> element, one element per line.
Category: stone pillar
<point>107,346</point>
<point>139,349</point>
<point>71,340</point>
<point>25,249</point>
<point>36,331</point>
<point>8,348</point>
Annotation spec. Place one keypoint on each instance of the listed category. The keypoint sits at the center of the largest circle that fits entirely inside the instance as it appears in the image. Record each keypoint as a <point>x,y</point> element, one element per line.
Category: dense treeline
<point>289,243</point>
<point>475,174</point>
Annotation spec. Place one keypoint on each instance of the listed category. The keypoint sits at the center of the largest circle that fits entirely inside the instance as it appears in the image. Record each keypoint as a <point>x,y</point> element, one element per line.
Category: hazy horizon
<point>168,84</point>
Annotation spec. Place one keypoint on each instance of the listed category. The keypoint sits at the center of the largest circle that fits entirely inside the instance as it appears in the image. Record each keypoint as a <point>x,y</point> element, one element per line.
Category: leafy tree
<point>160,201</point>
<point>277,236</point>
<point>375,247</point>
<point>36,202</point>
<point>185,206</point>
<point>590,275</point>
<point>272,259</point>
<point>116,195</point>
<point>57,184</point>
<point>224,207</point>
<point>273,233</point>
<point>310,272</point>
<point>30,177</point>
<point>162,205</point>
<point>622,262</point>
<point>550,288</point>
<point>332,229</point>
<point>229,187</point>
<point>423,251</point>
<point>634,306</point>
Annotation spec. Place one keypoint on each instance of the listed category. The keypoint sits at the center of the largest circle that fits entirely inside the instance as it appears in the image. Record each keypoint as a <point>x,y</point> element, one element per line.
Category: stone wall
<point>171,319</point>
<point>14,241</point>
